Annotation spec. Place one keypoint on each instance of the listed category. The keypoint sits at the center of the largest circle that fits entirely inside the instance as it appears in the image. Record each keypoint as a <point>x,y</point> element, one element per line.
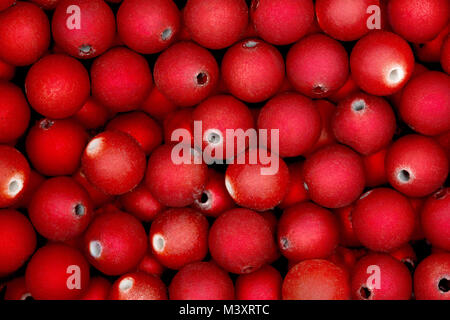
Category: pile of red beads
<point>212,149</point>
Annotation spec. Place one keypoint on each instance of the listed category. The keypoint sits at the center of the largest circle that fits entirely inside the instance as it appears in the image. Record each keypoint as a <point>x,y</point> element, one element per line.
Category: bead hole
<point>404,176</point>
<point>79,210</point>
<point>202,78</point>
<point>358,105</point>
<point>365,293</point>
<point>166,34</point>
<point>444,285</point>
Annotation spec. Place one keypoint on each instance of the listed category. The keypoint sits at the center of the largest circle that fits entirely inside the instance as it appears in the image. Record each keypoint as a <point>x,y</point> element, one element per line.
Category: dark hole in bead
<point>166,34</point>
<point>365,293</point>
<point>409,264</point>
<point>319,89</point>
<point>46,124</point>
<point>444,285</point>
<point>284,243</point>
<point>404,176</point>
<point>204,198</point>
<point>358,105</point>
<point>80,210</point>
<point>202,78</point>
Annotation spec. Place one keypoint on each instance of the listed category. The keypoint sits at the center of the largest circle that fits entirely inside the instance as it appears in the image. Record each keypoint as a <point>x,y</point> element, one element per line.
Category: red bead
<point>316,280</point>
<point>418,21</point>
<point>297,120</point>
<point>217,115</point>
<point>380,277</point>
<point>430,51</point>
<point>343,19</point>
<point>186,73</point>
<point>263,284</point>
<point>150,265</point>
<point>178,237</point>
<point>46,4</point>
<point>141,203</point>
<point>307,231</point>
<point>435,219</point>
<point>406,255</point>
<point>57,272</point>
<point>282,22</point>
<point>148,26</point>
<point>416,165</point>
<point>240,241</point>
<point>54,147</point>
<point>99,198</point>
<point>14,113</point>
<point>215,24</point>
<point>381,63</point>
<point>445,55</point>
<point>363,122</point>
<point>27,22</point>
<point>16,289</point>
<point>60,209</point>
<point>347,89</point>
<point>34,183</point>
<point>296,191</point>
<point>178,119</point>
<point>157,105</point>
<point>245,177</point>
<point>95,34</point>
<point>215,198</point>
<point>5,4</point>
<point>334,176</point>
<point>113,162</point>
<point>137,124</point>
<point>253,70</point>
<point>7,71</point>
<point>138,286</point>
<point>383,220</point>
<point>18,241</point>
<point>175,185</point>
<point>425,103</point>
<point>347,236</point>
<point>201,281</point>
<point>98,289</point>
<point>374,168</point>
<point>317,65</point>
<point>115,242</point>
<point>431,278</point>
<point>57,86</point>
<point>92,115</point>
<point>14,175</point>
<point>121,79</point>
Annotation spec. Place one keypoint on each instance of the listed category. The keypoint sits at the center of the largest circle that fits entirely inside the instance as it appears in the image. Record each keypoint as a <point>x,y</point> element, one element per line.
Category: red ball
<point>334,176</point>
<point>263,284</point>
<point>316,280</point>
<point>215,198</point>
<point>383,220</point>
<point>115,242</point>
<point>113,162</point>
<point>252,70</point>
<point>179,236</point>
<point>241,241</point>
<point>85,32</point>
<point>317,65</point>
<point>186,73</point>
<point>343,19</point>
<point>16,289</point>
<point>347,89</point>
<point>406,255</point>
<point>57,272</point>
<point>138,286</point>
<point>18,240</point>
<point>92,114</point>
<point>172,184</point>
<point>326,110</point>
<point>99,198</point>
<point>416,165</point>
<point>435,219</point>
<point>34,183</point>
<point>157,105</point>
<point>217,115</point>
<point>430,51</point>
<point>425,103</point>
<point>150,265</point>
<point>54,147</point>
<point>7,71</point>
<point>445,55</point>
<point>255,183</point>
<point>381,63</point>
<point>418,20</point>
<point>14,113</point>
<point>215,24</point>
<point>148,26</point>
<point>282,22</point>
<point>374,168</point>
<point>178,119</point>
<point>5,4</point>
<point>347,236</point>
<point>60,209</point>
<point>380,277</point>
<point>141,203</point>
<point>46,4</point>
<point>365,123</point>
<point>307,231</point>
<point>121,79</point>
<point>431,278</point>
<point>144,129</point>
<point>14,175</point>
<point>296,118</point>
<point>201,281</point>
<point>24,34</point>
<point>57,86</point>
<point>296,191</point>
<point>98,289</point>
